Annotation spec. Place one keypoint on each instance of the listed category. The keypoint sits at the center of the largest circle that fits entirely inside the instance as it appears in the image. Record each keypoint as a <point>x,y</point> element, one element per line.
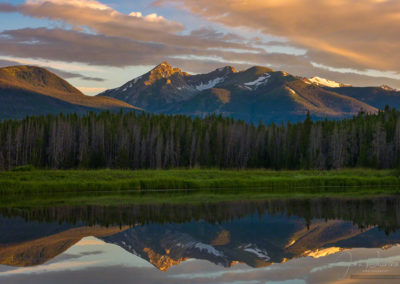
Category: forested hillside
<point>137,141</point>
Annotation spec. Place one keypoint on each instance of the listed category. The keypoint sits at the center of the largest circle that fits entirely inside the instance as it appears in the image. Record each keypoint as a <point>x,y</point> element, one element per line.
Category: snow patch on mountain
<point>262,254</point>
<point>210,84</point>
<point>202,247</point>
<point>324,82</point>
<point>262,80</point>
<point>128,86</point>
<point>208,248</point>
<point>137,79</point>
<point>127,247</point>
<point>125,87</point>
<point>246,87</point>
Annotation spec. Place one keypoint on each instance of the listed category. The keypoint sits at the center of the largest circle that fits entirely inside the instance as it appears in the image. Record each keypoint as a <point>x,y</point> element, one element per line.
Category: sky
<point>101,44</point>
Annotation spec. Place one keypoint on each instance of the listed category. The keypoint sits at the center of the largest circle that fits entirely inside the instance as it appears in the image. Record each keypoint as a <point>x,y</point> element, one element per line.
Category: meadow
<point>29,180</point>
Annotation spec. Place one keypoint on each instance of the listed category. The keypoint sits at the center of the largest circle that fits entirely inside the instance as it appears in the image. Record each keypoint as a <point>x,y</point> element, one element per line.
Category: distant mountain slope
<point>257,240</point>
<point>29,90</point>
<point>46,243</point>
<point>17,103</point>
<point>258,93</point>
<point>377,97</point>
<point>255,94</point>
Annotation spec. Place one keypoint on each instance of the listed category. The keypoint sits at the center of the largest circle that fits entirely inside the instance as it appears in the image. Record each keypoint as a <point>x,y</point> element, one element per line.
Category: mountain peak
<point>163,65</point>
<point>229,69</point>
<point>40,83</point>
<point>259,70</point>
<point>162,71</point>
<point>30,74</point>
<point>35,78</point>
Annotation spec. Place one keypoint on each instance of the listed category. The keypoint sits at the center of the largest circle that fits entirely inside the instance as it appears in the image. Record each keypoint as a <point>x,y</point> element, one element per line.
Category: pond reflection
<point>302,240</point>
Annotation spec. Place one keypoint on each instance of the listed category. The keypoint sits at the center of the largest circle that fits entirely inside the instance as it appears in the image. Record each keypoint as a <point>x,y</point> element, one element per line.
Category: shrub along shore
<point>267,181</point>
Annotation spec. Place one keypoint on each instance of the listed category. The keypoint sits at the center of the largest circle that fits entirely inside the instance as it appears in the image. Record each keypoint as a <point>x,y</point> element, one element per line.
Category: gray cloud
<point>122,40</point>
<point>72,75</point>
<point>111,23</point>
<point>70,45</point>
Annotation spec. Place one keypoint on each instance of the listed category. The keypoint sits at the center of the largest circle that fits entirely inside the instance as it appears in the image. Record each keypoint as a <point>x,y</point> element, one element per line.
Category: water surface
<point>320,240</point>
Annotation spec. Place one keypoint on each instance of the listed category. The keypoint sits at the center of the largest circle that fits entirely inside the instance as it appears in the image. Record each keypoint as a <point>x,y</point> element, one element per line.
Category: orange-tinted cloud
<point>357,34</point>
<point>98,17</point>
<point>103,20</point>
<point>341,33</point>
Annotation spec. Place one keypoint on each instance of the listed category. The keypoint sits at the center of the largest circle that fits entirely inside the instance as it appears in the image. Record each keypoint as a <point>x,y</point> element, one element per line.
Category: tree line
<point>145,141</point>
<point>365,212</point>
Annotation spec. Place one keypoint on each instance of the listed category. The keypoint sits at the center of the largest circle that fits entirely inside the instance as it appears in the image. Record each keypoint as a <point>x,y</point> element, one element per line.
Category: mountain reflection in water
<point>223,238</point>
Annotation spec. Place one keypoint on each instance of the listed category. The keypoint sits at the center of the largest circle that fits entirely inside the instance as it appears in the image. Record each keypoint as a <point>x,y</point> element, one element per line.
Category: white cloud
<point>151,17</point>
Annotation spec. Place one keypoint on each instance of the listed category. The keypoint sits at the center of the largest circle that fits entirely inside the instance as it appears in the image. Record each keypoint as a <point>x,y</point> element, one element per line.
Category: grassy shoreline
<point>274,182</point>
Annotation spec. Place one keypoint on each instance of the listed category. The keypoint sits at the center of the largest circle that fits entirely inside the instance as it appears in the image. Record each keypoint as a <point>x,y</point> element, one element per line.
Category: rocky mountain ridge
<point>258,93</point>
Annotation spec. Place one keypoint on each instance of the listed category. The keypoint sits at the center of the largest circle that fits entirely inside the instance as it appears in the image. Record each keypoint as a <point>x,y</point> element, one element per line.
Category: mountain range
<point>256,94</point>
<point>255,241</point>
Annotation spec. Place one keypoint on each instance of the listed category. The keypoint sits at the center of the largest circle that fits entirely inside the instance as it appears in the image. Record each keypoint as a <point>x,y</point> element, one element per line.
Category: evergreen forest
<point>132,140</point>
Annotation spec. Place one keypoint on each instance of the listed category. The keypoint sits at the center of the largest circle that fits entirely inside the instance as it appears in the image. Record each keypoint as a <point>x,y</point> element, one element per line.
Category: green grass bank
<point>274,182</point>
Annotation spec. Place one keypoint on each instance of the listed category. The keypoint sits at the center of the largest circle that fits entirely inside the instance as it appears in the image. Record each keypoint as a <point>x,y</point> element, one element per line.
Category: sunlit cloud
<point>354,42</point>
<point>354,34</point>
<point>368,72</point>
